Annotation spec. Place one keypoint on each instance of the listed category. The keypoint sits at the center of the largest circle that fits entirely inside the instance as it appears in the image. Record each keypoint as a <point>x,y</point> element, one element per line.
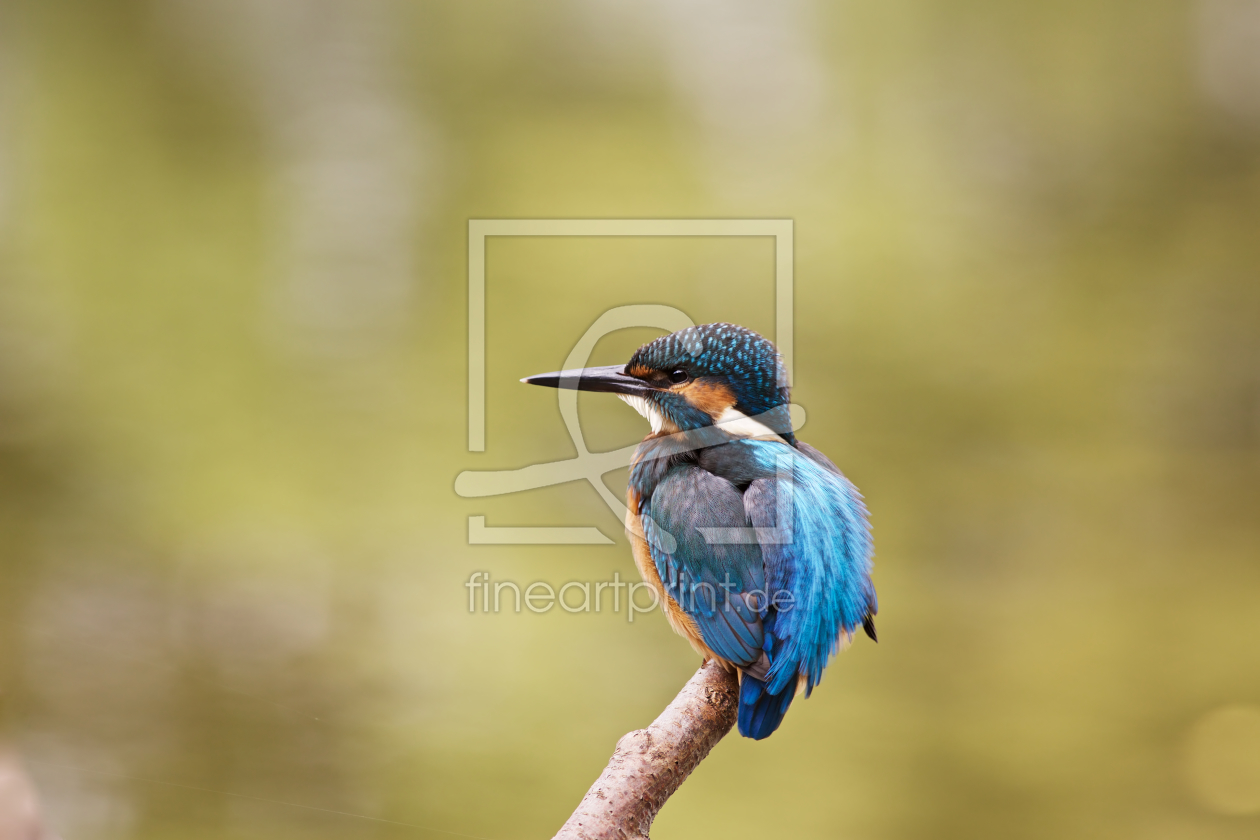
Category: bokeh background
<point>233,406</point>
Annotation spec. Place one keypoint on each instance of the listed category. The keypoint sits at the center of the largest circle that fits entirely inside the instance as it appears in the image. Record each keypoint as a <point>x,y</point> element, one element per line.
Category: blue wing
<point>708,580</point>
<point>823,560</point>
<point>806,556</point>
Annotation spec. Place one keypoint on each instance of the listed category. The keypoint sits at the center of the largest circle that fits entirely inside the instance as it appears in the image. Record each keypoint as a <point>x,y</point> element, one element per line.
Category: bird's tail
<point>761,712</point>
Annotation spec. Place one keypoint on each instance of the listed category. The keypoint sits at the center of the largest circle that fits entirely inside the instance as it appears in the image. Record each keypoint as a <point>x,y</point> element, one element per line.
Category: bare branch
<point>650,764</point>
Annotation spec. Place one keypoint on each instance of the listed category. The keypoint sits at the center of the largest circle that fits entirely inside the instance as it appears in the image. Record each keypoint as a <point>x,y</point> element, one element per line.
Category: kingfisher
<point>756,545</point>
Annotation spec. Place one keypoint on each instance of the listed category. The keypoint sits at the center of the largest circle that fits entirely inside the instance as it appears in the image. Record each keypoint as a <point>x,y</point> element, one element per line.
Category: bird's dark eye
<point>678,375</point>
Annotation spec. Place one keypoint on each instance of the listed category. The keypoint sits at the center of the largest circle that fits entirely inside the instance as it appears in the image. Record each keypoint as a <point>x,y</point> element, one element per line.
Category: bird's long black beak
<point>609,380</point>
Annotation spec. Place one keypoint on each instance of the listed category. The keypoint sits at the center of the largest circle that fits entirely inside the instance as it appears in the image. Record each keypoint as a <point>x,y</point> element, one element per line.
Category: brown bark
<point>650,764</point>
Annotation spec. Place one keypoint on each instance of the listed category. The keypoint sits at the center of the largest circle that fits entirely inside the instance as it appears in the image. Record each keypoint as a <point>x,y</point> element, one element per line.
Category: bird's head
<point>700,376</point>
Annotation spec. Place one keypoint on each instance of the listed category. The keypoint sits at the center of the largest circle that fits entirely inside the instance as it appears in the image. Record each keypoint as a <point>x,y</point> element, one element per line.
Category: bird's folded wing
<point>710,573</point>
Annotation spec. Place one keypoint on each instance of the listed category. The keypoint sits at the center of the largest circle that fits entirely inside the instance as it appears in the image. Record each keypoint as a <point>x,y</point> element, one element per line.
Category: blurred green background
<point>233,405</point>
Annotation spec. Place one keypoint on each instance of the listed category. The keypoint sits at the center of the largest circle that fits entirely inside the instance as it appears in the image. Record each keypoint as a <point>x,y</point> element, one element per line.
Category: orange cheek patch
<point>712,398</point>
<point>640,371</point>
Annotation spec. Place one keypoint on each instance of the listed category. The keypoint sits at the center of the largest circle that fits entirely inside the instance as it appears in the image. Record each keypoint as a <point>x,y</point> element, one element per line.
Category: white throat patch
<point>649,410</point>
<point>734,422</point>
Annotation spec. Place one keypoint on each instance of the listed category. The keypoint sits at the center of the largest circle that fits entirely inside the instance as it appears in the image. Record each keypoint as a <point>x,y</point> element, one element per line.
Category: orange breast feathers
<point>681,622</point>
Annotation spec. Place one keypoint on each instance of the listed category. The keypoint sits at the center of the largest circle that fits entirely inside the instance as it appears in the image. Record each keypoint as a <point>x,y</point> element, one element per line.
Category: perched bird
<point>756,544</point>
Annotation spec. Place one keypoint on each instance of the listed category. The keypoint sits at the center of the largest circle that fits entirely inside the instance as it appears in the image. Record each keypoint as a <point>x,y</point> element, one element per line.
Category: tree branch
<point>650,764</point>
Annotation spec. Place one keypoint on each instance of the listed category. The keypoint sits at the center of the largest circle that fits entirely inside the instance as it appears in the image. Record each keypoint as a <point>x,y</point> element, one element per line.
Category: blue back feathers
<point>798,586</point>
